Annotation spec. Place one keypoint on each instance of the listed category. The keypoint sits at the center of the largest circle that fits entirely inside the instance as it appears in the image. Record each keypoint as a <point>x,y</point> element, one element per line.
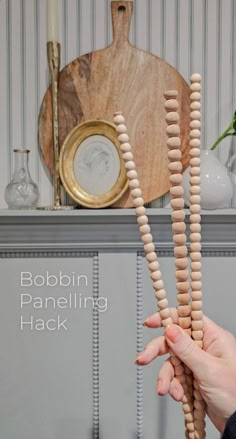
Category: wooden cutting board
<point>121,78</point>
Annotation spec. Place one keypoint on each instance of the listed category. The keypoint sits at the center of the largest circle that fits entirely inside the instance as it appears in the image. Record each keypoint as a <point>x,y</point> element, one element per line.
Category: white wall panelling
<point>66,385</point>
<point>191,35</point>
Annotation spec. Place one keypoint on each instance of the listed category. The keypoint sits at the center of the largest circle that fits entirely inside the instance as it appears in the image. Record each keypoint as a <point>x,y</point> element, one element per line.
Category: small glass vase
<point>21,192</point>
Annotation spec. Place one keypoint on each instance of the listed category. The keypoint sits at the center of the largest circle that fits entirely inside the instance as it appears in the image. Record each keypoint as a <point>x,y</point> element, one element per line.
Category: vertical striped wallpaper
<point>191,35</point>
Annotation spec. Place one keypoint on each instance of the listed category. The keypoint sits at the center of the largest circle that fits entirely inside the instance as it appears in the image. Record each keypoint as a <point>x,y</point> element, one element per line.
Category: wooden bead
<point>179,227</point>
<point>123,138</point>
<point>165,313</point>
<point>180,239</point>
<point>182,275</point>
<point>185,322</point>
<point>196,266</point>
<point>173,130</point>
<point>171,105</point>
<point>176,191</point>
<point>197,395</point>
<point>177,203</point>
<point>194,123</point>
<point>158,284</point>
<point>194,152</point>
<point>195,247</point>
<point>149,248</point>
<point>172,117</point>
<point>196,275</point>
<point>195,256</point>
<point>170,94</point>
<point>199,404</point>
<point>126,147</point>
<point>196,295</point>
<point>179,370</point>
<point>154,266</point>
<point>196,285</point>
<point>138,202</point>
<point>121,128</point>
<point>195,161</point>
<point>182,287</point>
<point>147,238</point>
<point>160,294</point>
<point>145,229</point>
<point>184,310</point>
<point>175,167</point>
<point>181,263</point>
<point>196,106</point>
<point>195,208</point>
<point>151,257</point>
<point>195,218</point>
<point>195,237</point>
<point>197,305</point>
<point>163,304</point>
<point>199,414</point>
<point>118,118</point>
<point>189,417</point>
<point>174,142</point>
<point>197,335</point>
<point>195,96</point>
<point>195,143</point>
<point>195,86</point>
<point>194,134</point>
<point>178,215</point>
<point>130,165</point>
<point>136,193</point>
<point>140,211</point>
<point>195,180</point>
<point>176,179</point>
<point>196,77</point>
<point>183,298</point>
<point>195,228</point>
<point>196,315</point>
<point>142,220</point>
<point>175,154</point>
<point>181,251</point>
<point>128,156</point>
<point>195,115</point>
<point>197,325</point>
<point>195,171</point>
<point>195,190</point>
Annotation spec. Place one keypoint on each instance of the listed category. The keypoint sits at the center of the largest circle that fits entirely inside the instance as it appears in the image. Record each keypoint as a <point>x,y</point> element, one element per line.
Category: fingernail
<point>173,333</point>
<point>139,357</point>
<point>145,322</point>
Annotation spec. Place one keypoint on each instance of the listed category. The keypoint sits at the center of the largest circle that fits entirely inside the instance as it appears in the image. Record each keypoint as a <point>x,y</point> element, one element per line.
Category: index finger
<point>154,321</point>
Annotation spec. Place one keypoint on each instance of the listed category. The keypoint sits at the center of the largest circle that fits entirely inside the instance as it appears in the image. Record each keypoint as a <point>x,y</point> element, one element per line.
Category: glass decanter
<point>21,192</point>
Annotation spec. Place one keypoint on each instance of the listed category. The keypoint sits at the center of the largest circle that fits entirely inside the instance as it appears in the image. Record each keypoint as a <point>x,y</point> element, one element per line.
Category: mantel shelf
<point>106,229</point>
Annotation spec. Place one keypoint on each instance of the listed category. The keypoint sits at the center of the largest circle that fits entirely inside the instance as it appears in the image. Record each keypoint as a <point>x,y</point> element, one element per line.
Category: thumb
<point>188,351</point>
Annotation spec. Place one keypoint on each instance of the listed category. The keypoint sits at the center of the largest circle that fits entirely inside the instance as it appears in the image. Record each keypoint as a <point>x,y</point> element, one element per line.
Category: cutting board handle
<point>121,19</point>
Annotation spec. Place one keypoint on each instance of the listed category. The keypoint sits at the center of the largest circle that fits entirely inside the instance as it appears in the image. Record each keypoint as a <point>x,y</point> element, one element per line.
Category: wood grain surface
<point>121,78</point>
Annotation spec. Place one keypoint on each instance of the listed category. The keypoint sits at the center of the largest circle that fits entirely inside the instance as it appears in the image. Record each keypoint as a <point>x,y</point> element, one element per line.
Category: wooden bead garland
<point>195,239</point>
<point>154,268</point>
<point>179,235</point>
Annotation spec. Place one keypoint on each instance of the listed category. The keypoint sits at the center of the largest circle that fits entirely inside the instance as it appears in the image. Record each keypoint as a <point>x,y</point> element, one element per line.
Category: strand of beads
<point>151,256</point>
<point>179,227</point>
<point>195,241</point>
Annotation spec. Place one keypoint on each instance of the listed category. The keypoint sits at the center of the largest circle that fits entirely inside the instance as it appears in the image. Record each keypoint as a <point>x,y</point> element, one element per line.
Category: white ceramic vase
<point>216,185</point>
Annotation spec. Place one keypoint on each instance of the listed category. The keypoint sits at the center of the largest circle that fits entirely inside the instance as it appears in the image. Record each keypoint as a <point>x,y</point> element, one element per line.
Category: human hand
<point>214,368</point>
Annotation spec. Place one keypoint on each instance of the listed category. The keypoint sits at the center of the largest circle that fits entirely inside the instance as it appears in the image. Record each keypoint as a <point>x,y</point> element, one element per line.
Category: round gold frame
<point>66,164</point>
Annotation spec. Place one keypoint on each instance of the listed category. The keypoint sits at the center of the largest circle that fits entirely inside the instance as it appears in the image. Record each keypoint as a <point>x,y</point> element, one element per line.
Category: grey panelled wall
<point>191,35</point>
